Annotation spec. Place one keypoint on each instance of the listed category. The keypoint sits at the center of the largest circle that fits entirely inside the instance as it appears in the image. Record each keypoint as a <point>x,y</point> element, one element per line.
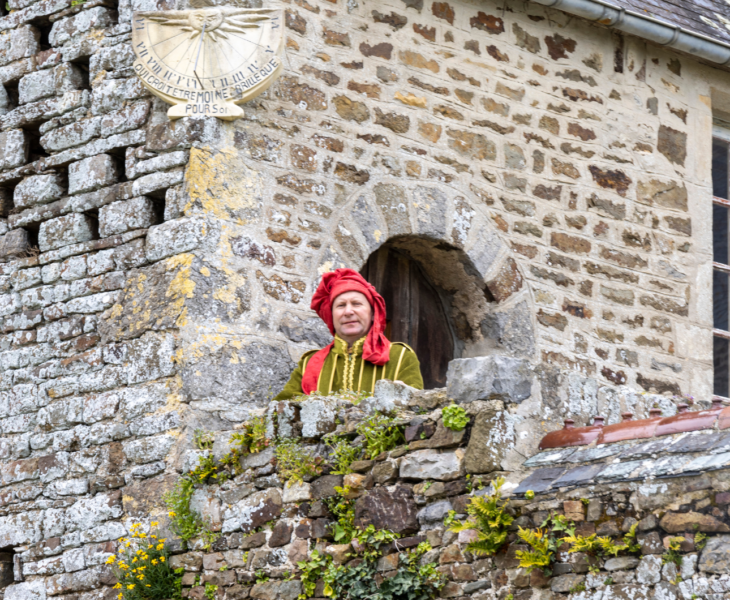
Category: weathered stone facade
<point>550,176</point>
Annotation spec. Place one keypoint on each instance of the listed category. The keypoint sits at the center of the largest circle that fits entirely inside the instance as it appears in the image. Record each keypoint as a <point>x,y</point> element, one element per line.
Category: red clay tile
<point>688,421</point>
<point>575,436</point>
<point>723,421</point>
<point>628,430</point>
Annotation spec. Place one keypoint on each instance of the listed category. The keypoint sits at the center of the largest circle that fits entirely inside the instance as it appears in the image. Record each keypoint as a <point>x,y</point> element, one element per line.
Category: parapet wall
<point>267,527</point>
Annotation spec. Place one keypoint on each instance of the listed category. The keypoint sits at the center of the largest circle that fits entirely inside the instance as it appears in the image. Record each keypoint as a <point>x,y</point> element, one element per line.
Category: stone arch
<point>453,240</point>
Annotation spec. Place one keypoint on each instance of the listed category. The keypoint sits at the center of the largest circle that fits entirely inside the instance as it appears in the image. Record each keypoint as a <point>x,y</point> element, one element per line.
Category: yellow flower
<point>162,559</point>
<point>127,544</point>
<point>160,546</point>
<point>118,586</point>
<point>119,596</point>
<point>110,560</point>
<point>134,560</point>
<point>154,561</point>
<point>130,586</point>
<point>142,535</point>
<point>140,551</point>
<point>171,514</point>
<point>154,523</point>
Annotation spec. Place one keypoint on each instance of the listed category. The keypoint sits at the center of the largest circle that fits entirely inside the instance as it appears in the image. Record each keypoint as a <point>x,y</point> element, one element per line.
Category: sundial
<point>207,60</point>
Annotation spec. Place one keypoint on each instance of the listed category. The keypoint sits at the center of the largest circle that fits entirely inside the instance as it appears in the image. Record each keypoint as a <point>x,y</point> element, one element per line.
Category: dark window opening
<point>721,267</point>
<point>7,563</point>
<point>416,314</point>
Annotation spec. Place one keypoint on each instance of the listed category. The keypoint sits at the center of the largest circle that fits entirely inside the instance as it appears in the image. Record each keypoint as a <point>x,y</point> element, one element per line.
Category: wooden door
<point>415,312</point>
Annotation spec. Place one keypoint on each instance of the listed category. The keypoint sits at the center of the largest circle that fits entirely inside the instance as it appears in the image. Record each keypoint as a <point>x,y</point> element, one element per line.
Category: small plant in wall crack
<point>296,463</point>
<point>454,417</point>
<point>672,554</point>
<point>381,433</point>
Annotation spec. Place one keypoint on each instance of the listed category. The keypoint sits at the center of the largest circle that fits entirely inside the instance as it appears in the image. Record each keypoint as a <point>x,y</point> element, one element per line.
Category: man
<point>360,355</point>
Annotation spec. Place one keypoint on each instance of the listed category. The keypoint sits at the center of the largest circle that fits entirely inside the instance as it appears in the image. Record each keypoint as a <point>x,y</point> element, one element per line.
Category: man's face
<point>352,315</point>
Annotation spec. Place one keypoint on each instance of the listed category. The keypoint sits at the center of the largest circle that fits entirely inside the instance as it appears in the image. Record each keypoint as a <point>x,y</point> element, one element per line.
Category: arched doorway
<point>415,311</point>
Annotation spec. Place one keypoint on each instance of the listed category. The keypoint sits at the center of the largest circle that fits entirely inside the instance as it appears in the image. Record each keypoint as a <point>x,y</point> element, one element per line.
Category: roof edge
<point>649,28</point>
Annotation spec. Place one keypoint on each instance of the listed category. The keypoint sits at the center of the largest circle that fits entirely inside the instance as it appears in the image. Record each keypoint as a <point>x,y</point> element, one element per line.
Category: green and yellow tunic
<point>345,369</point>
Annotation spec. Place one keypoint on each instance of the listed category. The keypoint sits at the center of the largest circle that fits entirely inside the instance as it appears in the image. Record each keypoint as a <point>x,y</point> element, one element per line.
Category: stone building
<point>534,184</point>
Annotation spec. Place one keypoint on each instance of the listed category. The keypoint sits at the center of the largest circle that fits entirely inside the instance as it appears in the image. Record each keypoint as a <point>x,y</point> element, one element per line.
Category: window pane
<point>720,300</point>
<point>719,168</point>
<point>719,234</point>
<point>721,355</point>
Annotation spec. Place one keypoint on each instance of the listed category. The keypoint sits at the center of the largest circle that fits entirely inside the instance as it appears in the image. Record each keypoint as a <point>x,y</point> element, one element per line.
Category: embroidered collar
<point>341,346</point>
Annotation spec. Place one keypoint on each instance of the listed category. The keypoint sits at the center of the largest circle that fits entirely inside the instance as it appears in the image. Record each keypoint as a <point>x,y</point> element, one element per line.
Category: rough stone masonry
<point>551,177</point>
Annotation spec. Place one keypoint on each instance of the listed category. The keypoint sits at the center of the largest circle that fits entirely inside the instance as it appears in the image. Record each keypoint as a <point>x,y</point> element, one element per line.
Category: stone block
<point>433,514</point>
<point>388,396</point>
<point>36,86</point>
<point>393,510</point>
<point>149,449</point>
<point>29,590</point>
<point>429,464</point>
<point>280,534</point>
<point>63,231</point>
<point>91,174</point>
<point>21,42</point>
<point>491,438</point>
<point>715,557</point>
<point>277,590</point>
<point>296,492</point>
<point>318,417</point>
<point>649,570</point>
<point>69,136</point>
<point>66,30</point>
<point>38,189</point>
<point>253,512</point>
<point>13,149</point>
<point>13,243</point>
<point>126,215</point>
<point>175,237</point>
<point>673,522</point>
<point>324,487</point>
<point>68,77</point>
<point>489,377</point>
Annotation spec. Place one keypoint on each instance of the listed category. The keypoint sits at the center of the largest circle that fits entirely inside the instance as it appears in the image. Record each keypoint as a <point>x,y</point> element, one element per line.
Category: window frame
<point>720,131</point>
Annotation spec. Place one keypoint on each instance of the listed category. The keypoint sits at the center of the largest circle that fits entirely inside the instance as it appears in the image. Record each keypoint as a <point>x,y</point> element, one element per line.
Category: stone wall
<point>156,275</point>
<point>266,527</point>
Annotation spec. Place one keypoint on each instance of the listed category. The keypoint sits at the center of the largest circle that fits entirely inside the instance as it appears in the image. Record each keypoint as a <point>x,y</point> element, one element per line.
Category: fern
<point>490,520</point>
<point>579,543</point>
<point>541,554</point>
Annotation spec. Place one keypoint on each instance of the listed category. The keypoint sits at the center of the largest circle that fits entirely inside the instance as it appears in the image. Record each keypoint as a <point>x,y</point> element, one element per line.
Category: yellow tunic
<point>345,369</point>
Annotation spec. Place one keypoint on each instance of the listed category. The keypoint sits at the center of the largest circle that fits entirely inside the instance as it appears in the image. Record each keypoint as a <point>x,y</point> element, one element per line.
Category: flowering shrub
<point>142,568</point>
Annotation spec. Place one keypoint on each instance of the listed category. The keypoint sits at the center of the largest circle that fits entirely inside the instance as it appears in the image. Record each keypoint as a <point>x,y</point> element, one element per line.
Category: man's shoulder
<point>309,354</point>
<point>397,348</point>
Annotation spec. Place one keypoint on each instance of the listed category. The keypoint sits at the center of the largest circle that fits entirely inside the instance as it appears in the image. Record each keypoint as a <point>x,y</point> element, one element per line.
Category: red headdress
<point>376,348</point>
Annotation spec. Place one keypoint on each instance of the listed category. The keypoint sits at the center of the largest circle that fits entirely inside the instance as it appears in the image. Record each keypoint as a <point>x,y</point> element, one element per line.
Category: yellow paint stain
<point>377,234</point>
